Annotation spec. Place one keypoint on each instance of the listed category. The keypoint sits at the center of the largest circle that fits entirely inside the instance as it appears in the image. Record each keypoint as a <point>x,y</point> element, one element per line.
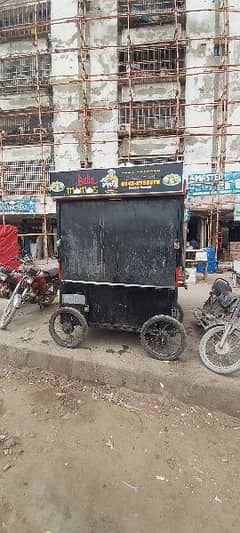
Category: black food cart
<point>120,240</point>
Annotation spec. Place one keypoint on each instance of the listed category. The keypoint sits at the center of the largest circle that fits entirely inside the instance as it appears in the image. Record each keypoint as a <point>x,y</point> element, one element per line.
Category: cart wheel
<point>163,337</point>
<point>68,327</point>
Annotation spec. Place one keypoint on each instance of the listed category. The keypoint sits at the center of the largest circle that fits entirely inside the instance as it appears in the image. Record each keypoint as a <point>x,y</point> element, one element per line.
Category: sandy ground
<point>75,459</point>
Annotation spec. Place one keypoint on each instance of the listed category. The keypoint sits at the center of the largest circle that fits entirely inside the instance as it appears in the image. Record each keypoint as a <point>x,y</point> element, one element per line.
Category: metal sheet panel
<point>125,241</point>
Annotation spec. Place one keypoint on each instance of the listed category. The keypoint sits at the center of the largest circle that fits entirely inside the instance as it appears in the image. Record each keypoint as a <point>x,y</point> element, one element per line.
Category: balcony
<point>151,159</point>
<point>19,74</point>
<point>23,127</point>
<point>151,62</point>
<point>26,177</point>
<point>150,118</point>
<point>143,12</point>
<point>23,21</point>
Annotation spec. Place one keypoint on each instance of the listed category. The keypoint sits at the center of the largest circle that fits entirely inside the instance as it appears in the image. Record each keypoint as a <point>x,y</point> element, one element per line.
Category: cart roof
<point>141,180</point>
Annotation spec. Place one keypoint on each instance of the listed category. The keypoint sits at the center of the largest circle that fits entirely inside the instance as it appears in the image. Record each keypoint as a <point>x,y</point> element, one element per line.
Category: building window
<point>26,176</point>
<point>144,160</point>
<point>149,61</point>
<point>19,74</point>
<point>220,48</point>
<point>148,11</point>
<point>18,21</point>
<point>150,6</point>
<point>24,127</point>
<point>150,117</point>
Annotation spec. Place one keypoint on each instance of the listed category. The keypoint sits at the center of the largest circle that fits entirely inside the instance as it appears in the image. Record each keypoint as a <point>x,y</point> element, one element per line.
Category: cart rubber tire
<point>82,322</point>
<point>8,313</point>
<point>178,313</point>
<point>156,354</point>
<point>203,355</point>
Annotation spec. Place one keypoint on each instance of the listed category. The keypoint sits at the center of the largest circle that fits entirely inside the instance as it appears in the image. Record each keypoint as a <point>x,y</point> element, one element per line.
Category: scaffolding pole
<point>161,61</point>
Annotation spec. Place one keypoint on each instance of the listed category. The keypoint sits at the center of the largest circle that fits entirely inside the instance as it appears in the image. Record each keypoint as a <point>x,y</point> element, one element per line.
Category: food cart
<point>120,249</point>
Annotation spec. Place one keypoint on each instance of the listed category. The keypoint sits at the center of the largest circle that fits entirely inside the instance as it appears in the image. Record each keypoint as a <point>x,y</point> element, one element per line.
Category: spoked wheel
<point>8,314</point>
<point>68,327</point>
<point>163,337</point>
<point>220,359</point>
<point>10,309</point>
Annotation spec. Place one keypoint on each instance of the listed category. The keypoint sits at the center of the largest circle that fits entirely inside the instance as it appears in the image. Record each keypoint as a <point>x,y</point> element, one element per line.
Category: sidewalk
<point>118,359</point>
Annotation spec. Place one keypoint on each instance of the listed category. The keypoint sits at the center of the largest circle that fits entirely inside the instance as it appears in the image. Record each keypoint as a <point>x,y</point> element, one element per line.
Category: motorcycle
<point>219,347</point>
<point>34,287</point>
<point>218,307</point>
<point>7,281</point>
<point>10,277</point>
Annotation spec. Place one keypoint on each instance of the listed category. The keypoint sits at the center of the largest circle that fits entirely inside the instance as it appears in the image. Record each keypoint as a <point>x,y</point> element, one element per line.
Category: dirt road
<point>81,460</point>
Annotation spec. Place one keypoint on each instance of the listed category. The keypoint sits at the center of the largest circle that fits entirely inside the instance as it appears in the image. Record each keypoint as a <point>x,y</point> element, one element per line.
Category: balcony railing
<point>19,74</point>
<point>24,127</point>
<point>148,11</point>
<point>29,177</point>
<point>150,6</point>
<point>148,62</point>
<point>151,117</point>
<point>23,20</point>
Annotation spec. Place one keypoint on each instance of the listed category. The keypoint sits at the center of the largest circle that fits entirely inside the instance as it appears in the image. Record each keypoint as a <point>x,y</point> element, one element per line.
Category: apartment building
<point>105,82</point>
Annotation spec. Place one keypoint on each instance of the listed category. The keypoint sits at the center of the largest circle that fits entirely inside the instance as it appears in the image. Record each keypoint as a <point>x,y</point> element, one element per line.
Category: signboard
<point>209,184</point>
<point>142,179</point>
<point>16,206</point>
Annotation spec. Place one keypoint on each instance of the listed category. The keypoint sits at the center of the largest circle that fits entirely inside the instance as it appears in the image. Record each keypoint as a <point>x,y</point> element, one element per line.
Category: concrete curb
<point>187,381</point>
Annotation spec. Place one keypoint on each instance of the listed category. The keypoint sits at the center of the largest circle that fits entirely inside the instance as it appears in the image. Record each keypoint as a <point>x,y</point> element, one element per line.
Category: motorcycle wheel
<point>8,312</point>
<point>68,327</point>
<point>163,337</point>
<point>225,360</point>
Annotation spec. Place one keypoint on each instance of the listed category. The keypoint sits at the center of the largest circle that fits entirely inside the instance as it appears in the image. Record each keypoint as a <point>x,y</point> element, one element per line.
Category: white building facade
<point>103,82</point>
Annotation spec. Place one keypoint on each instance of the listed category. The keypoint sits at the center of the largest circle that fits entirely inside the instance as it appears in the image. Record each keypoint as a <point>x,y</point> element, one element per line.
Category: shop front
<point>35,222</point>
<point>214,207</point>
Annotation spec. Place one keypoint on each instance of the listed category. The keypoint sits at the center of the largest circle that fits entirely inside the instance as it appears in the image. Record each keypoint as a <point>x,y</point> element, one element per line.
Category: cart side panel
<point>129,241</point>
<point>118,307</point>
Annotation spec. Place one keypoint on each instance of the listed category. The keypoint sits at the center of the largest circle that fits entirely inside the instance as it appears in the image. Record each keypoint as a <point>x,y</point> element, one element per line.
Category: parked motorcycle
<point>218,306</point>
<point>9,277</point>
<point>219,347</point>
<point>35,287</point>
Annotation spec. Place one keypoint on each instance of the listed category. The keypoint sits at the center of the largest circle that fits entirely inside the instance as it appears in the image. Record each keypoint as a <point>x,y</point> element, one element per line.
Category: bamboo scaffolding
<point>39,88</point>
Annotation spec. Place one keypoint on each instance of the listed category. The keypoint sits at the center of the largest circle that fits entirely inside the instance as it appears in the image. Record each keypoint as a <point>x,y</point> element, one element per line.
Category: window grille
<point>150,61</point>
<point>19,74</point>
<point>149,12</point>
<point>19,21</point>
<point>150,117</point>
<point>26,176</point>
<point>149,6</point>
<point>144,160</point>
<point>24,127</point>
